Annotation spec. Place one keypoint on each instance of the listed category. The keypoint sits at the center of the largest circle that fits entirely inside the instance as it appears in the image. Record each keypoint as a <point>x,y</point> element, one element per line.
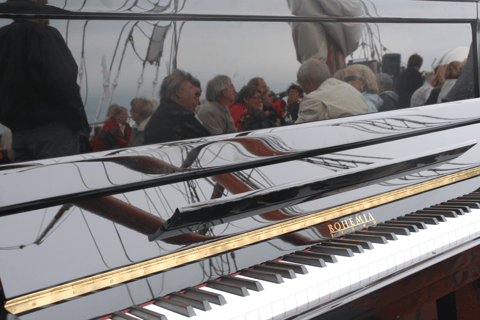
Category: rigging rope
<point>140,80</point>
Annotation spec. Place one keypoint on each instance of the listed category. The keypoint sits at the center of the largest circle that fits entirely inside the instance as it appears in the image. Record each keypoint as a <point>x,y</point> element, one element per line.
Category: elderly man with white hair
<point>175,118</point>
<point>214,113</point>
<point>327,97</point>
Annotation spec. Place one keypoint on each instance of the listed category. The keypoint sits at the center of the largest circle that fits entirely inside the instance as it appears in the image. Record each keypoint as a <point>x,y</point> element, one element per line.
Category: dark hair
<point>415,61</point>
<point>246,92</point>
<point>293,86</point>
<point>255,82</point>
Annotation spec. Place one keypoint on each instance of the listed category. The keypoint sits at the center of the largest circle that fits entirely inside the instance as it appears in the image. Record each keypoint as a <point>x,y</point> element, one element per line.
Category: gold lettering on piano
<point>348,225</point>
<point>331,228</point>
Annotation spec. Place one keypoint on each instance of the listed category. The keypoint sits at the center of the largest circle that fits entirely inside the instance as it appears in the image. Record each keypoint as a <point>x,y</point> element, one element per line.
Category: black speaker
<point>391,64</point>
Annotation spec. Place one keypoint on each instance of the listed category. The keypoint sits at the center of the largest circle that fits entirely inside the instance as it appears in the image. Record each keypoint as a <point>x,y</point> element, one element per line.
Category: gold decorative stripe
<point>104,280</point>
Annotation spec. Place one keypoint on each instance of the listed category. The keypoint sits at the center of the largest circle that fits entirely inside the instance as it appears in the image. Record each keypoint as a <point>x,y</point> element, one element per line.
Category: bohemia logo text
<point>350,223</point>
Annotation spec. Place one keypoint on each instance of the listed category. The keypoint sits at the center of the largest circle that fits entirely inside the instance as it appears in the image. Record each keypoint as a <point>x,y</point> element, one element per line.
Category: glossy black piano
<point>368,216</point>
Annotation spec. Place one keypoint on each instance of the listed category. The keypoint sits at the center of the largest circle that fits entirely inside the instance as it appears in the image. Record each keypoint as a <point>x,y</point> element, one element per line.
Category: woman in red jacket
<point>247,111</point>
<point>115,133</point>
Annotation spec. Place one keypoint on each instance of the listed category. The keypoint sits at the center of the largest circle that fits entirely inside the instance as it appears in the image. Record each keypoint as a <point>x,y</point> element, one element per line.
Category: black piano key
<point>410,227</point>
<point>465,209</point>
<point>425,220</point>
<point>419,224</point>
<point>146,313</point>
<point>289,274</point>
<point>229,288</point>
<point>195,302</point>
<point>364,237</point>
<point>446,213</point>
<point>356,248</point>
<point>297,268</point>
<point>210,296</point>
<point>175,306</point>
<point>122,316</point>
<point>249,284</point>
<point>439,217</point>
<point>326,257</point>
<point>367,245</point>
<point>469,197</point>
<point>345,252</point>
<point>388,235</point>
<point>262,275</point>
<point>309,261</point>
<point>441,209</point>
<point>397,230</point>
<point>471,204</point>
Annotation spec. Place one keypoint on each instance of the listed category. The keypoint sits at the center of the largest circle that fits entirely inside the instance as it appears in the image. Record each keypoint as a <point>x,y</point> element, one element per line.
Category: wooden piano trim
<point>69,290</point>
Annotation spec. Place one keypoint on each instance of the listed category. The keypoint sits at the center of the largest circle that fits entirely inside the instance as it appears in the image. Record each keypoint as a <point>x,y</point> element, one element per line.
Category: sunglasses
<point>352,78</point>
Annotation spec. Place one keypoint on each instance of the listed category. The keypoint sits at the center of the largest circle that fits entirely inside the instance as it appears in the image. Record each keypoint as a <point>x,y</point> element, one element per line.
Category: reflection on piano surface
<point>352,217</point>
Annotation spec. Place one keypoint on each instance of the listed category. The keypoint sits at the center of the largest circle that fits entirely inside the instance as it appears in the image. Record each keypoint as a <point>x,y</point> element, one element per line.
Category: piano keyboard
<point>305,279</point>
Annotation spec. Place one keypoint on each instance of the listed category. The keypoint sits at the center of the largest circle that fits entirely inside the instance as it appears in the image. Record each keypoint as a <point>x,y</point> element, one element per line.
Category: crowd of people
<point>353,90</point>
<point>319,95</point>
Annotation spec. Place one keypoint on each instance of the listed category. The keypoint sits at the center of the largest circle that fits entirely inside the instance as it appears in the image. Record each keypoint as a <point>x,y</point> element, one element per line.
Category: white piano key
<point>354,279</point>
<point>313,296</point>
<point>324,291</point>
<point>265,313</point>
<point>302,301</point>
<point>373,271</point>
<point>290,303</point>
<point>416,254</point>
<point>407,256</point>
<point>133,316</point>
<point>364,275</point>
<point>345,283</point>
<point>446,241</point>
<point>399,260</point>
<point>169,314</point>
<point>253,315</point>
<point>278,308</point>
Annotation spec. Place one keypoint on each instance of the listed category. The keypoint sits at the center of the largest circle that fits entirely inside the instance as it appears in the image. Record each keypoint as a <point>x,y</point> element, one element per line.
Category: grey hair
<point>216,86</point>
<point>314,70</point>
<point>385,80</point>
<point>173,82</point>
<point>429,76</point>
<point>143,106</point>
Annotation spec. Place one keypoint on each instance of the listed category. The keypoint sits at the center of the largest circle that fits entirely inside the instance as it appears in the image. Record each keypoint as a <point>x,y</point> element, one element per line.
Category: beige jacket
<point>333,99</point>
<point>216,119</point>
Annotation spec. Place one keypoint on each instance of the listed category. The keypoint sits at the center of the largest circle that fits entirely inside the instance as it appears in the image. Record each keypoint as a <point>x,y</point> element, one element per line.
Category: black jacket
<point>38,78</point>
<point>408,82</point>
<point>171,122</point>
<point>390,101</point>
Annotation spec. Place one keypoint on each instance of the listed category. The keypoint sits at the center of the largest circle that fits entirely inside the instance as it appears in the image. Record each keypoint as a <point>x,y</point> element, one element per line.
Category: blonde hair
<point>113,111</point>
<point>361,71</point>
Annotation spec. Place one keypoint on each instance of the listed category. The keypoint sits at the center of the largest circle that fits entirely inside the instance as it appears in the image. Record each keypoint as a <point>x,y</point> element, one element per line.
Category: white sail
<point>310,38</point>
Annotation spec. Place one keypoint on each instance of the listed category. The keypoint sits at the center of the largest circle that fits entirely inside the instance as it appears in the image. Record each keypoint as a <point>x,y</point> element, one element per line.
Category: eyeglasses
<point>352,78</point>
